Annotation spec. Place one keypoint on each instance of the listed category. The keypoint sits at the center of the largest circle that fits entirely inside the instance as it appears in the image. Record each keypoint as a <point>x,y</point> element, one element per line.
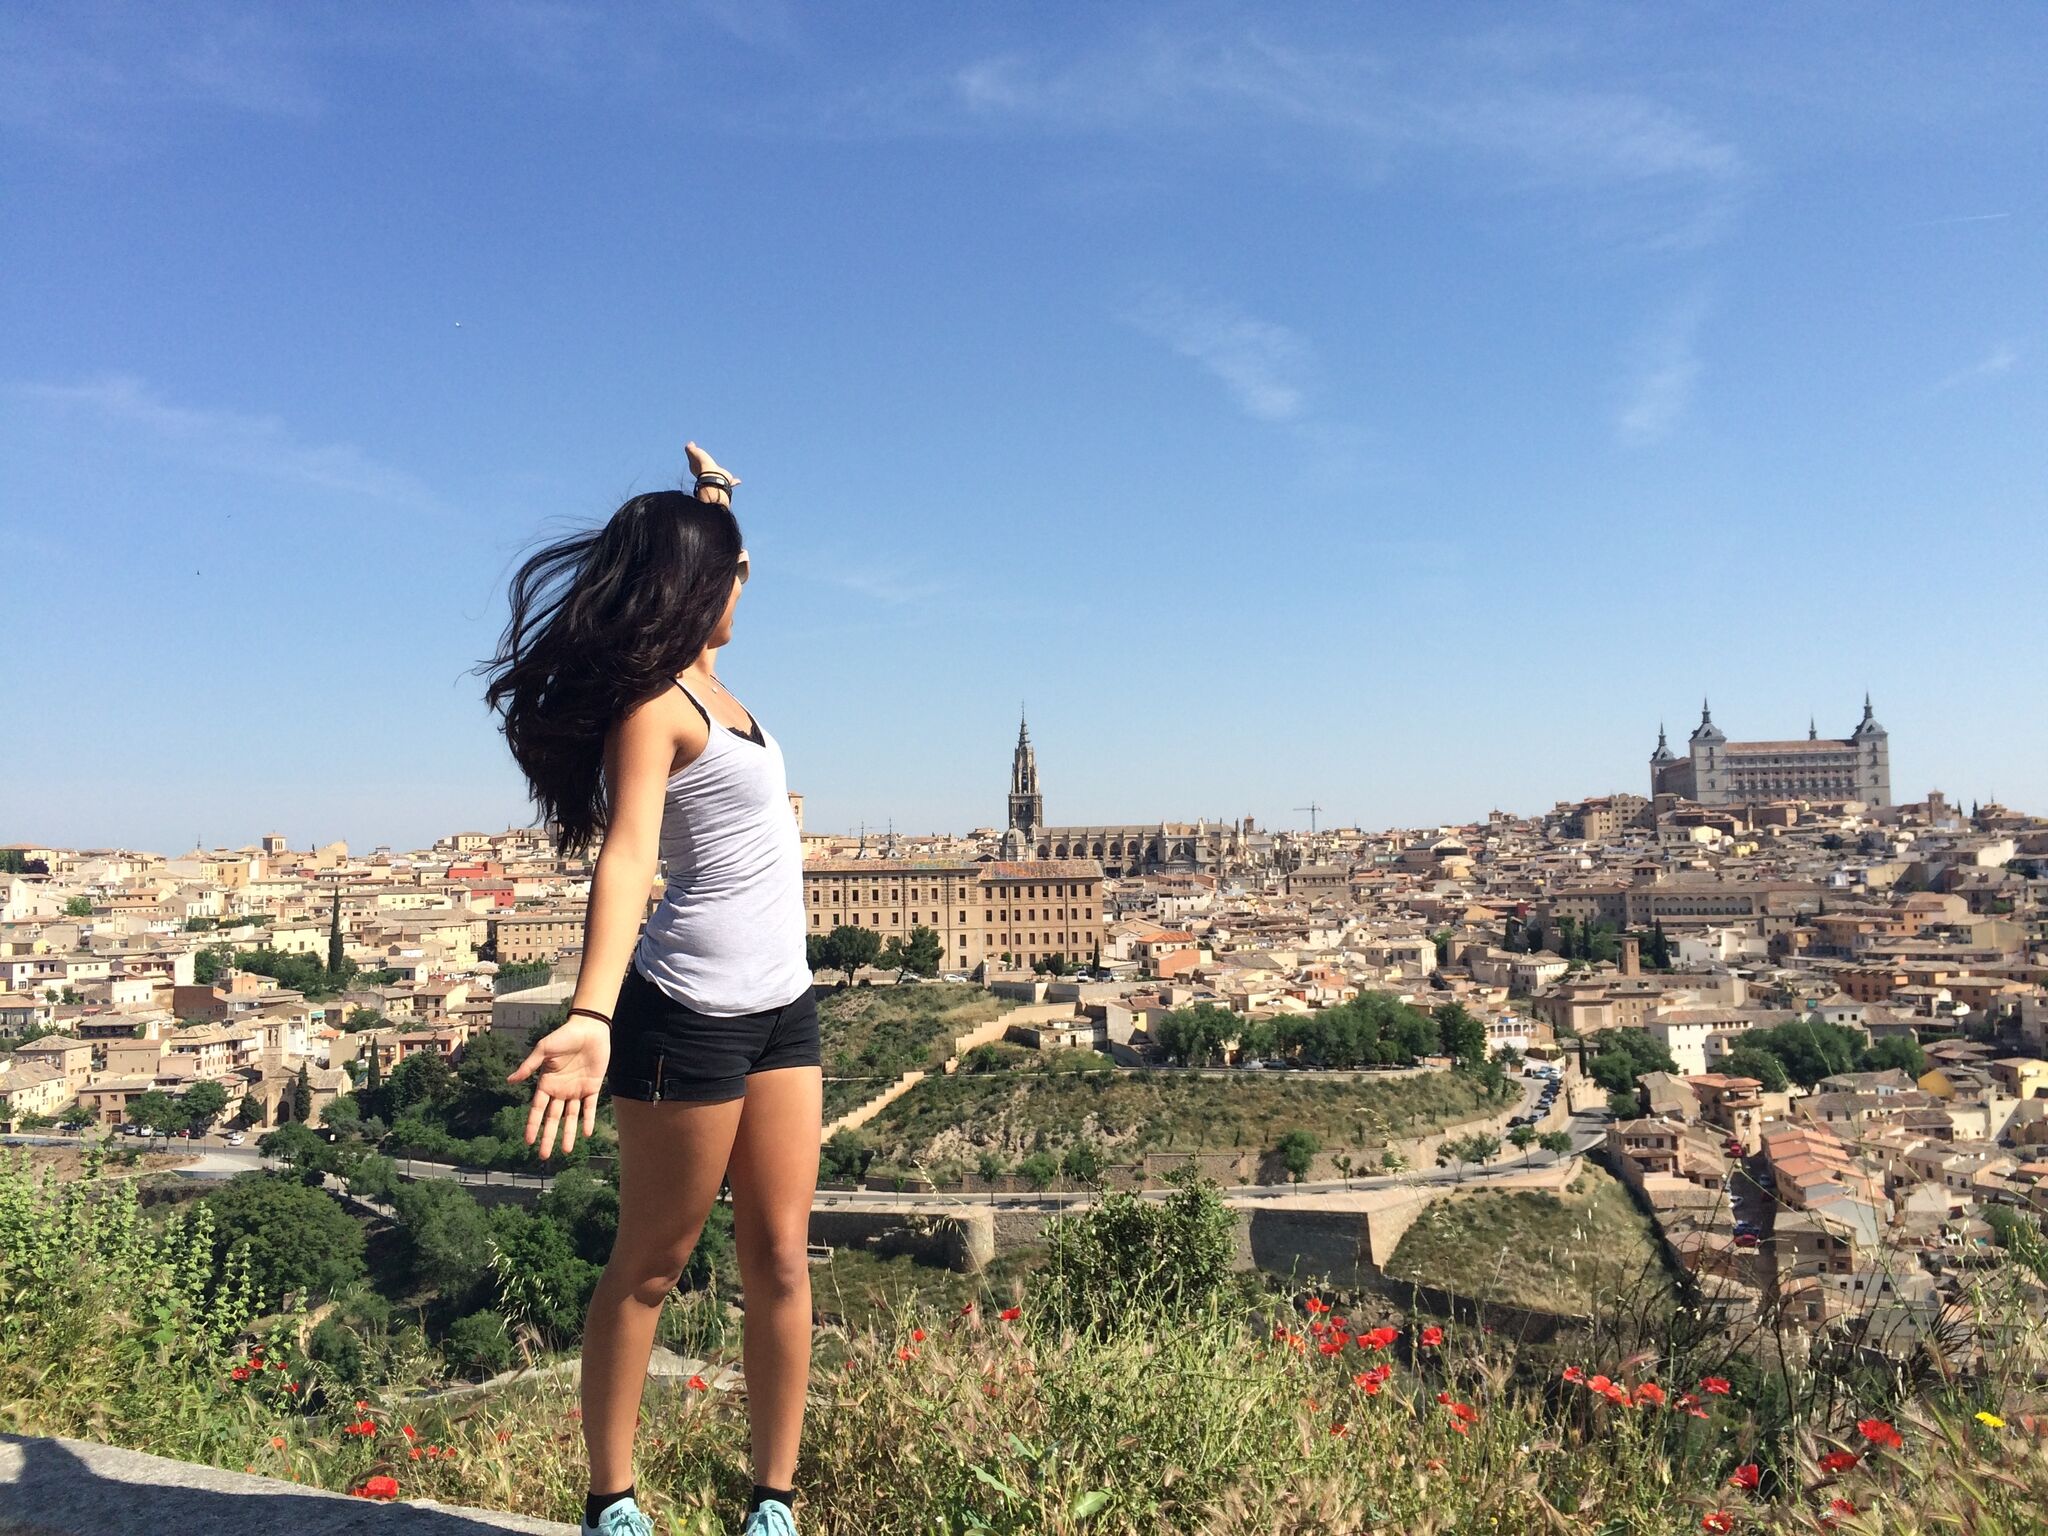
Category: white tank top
<point>728,936</point>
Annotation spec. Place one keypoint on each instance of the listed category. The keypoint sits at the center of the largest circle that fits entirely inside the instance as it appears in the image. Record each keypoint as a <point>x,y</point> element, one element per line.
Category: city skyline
<point>1397,413</point>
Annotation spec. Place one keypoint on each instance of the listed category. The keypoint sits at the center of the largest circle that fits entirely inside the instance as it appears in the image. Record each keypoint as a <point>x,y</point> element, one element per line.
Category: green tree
<point>479,1344</point>
<point>1624,1104</point>
<point>294,1144</point>
<point>202,1104</point>
<point>1081,1162</point>
<point>1524,1137</point>
<point>849,946</point>
<point>297,1238</point>
<point>78,906</point>
<point>1748,1060</point>
<point>1556,1143</point>
<point>1460,1035</point>
<point>1895,1053</point>
<point>1297,1148</point>
<point>1620,1056</point>
<point>845,1158</point>
<point>1038,1170</point>
<point>156,1112</point>
<point>302,1096</point>
<point>447,1242</point>
<point>335,953</point>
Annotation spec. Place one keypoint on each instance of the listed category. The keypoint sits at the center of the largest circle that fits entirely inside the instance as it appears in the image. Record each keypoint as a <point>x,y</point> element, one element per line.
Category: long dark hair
<point>601,622</point>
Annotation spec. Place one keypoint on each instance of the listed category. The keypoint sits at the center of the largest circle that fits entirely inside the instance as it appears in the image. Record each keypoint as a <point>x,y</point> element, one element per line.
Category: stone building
<point>1717,771</point>
<point>981,909</point>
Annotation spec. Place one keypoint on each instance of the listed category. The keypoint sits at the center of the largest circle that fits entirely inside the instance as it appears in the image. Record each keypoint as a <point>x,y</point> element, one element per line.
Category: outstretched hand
<point>700,462</point>
<point>571,1062</point>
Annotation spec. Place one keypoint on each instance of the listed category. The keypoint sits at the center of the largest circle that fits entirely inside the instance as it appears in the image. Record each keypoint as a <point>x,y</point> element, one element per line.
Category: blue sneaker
<point>621,1517</point>
<point>771,1518</point>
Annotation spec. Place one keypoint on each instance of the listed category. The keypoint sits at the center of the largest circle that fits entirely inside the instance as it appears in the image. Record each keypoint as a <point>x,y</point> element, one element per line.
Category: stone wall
<point>961,1240</point>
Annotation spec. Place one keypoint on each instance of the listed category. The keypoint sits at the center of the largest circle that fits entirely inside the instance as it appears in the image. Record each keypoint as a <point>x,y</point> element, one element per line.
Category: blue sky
<point>1399,408</point>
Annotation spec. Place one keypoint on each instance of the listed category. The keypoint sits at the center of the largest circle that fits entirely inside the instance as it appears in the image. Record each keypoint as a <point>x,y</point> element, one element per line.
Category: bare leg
<point>672,1158</point>
<point>774,1181</point>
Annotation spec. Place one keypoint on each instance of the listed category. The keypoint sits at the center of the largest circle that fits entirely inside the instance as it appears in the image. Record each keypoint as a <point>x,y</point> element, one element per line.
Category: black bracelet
<point>715,478</point>
<point>592,1013</point>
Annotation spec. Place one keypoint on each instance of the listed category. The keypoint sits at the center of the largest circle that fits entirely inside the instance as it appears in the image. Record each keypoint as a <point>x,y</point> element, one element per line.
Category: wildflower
<point>1841,1506</point>
<point>1717,1520</point>
<point>1010,1314</point>
<point>917,1334</point>
<point>379,1487</point>
<point>1573,1374</point>
<point>1990,1420</point>
<point>969,1307</point>
<point>361,1404</point>
<point>1316,1304</point>
<point>414,1453</point>
<point>1331,1346</point>
<point>433,1452</point>
<point>1370,1381</point>
<point>696,1384</point>
<point>239,1373</point>
<point>291,1386</point>
<point>906,1353</point>
<point>1599,1384</point>
<point>1650,1392</point>
<point>1339,1429</point>
<point>1714,1386</point>
<point>1878,1432</point>
<point>277,1442</point>
<point>1839,1461</point>
<point>503,1436</point>
<point>1431,1337</point>
<point>1746,1477</point>
<point>1378,1338</point>
<point>410,1433</point>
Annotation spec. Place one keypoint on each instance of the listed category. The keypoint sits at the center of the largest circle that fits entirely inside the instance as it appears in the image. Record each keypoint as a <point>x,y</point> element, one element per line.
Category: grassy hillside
<point>874,1034</point>
<point>948,1122</point>
<point>1527,1248</point>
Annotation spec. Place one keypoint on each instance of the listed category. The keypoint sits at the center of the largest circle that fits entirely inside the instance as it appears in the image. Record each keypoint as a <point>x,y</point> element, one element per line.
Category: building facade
<point>981,909</point>
<point>1717,771</point>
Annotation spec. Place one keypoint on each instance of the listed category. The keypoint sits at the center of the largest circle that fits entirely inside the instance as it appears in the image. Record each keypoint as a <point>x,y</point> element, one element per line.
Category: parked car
<point>1745,1239</point>
<point>236,1138</point>
<point>1251,1066</point>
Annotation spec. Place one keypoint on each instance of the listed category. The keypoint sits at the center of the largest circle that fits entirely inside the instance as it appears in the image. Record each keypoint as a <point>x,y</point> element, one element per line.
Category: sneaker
<point>621,1517</point>
<point>771,1518</point>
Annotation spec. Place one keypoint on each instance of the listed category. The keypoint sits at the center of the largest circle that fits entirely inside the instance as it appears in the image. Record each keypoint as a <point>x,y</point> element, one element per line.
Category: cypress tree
<point>302,1096</point>
<point>334,953</point>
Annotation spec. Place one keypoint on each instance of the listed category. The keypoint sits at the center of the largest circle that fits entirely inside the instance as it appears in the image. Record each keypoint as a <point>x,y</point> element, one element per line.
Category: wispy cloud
<point>1666,369</point>
<point>1960,218</point>
<point>92,74</point>
<point>1259,362</point>
<point>1999,359</point>
<point>233,441</point>
<point>1657,175</point>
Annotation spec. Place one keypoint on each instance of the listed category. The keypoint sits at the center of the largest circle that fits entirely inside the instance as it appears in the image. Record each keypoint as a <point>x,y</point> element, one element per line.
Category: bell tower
<point>1027,810</point>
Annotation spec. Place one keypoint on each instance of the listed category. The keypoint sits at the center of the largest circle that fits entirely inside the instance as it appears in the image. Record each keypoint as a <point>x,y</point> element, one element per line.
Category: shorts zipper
<point>658,1061</point>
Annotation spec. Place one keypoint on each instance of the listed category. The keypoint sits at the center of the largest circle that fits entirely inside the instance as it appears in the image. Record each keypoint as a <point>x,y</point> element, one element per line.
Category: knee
<point>782,1268</point>
<point>648,1276</point>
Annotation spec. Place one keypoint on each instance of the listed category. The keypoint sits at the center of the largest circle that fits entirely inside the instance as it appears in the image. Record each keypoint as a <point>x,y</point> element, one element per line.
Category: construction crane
<point>1311,808</point>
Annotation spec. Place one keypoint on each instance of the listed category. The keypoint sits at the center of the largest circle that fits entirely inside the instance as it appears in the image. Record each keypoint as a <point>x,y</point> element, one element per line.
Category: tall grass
<point>1281,1418</point>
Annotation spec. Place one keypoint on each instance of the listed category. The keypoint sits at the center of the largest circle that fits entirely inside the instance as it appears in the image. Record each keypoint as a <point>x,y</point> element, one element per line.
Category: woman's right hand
<point>570,1061</point>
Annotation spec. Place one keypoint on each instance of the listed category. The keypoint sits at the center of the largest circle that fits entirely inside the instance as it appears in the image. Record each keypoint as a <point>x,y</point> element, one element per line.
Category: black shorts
<point>662,1049</point>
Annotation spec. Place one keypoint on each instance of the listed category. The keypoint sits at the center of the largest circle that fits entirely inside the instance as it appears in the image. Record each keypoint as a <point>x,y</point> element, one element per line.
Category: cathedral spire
<point>1812,729</point>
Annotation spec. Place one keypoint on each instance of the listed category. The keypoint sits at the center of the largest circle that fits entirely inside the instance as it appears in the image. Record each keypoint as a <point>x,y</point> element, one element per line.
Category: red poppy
<point>1574,1374</point>
<point>1746,1477</point>
<point>1316,1304</point>
<point>1714,1386</point>
<point>277,1442</point>
<point>379,1487</point>
<point>1010,1314</point>
<point>1839,1461</point>
<point>917,1334</point>
<point>906,1353</point>
<point>1878,1432</point>
<point>1842,1506</point>
<point>1599,1383</point>
<point>695,1384</point>
<point>1339,1429</point>
<point>239,1373</point>
<point>414,1453</point>
<point>1378,1338</point>
<point>1650,1392</point>
<point>967,1309</point>
<point>411,1433</point>
<point>1717,1520</point>
<point>1331,1346</point>
<point>1432,1336</point>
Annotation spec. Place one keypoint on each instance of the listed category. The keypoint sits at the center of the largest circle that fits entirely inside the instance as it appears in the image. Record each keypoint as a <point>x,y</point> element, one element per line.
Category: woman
<point>702,1026</point>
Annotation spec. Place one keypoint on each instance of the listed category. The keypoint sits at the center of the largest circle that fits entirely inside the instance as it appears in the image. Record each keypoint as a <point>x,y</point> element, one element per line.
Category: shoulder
<point>666,730</point>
